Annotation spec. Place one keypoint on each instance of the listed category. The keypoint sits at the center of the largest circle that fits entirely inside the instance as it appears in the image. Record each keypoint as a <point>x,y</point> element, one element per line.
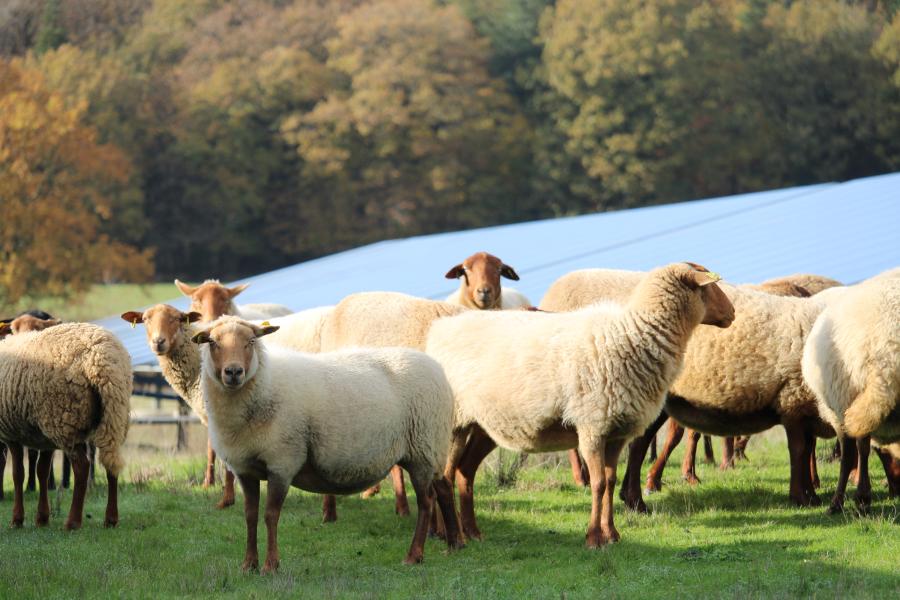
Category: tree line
<point>145,140</point>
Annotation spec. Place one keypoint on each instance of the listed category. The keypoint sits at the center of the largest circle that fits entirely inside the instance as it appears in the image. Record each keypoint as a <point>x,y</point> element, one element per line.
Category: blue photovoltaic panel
<point>847,231</point>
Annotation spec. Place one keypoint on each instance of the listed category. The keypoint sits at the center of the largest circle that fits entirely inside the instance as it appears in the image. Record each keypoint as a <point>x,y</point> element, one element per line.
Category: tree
<point>56,181</point>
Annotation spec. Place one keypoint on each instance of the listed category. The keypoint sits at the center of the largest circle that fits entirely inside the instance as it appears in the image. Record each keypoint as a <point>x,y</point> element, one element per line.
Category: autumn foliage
<point>194,138</point>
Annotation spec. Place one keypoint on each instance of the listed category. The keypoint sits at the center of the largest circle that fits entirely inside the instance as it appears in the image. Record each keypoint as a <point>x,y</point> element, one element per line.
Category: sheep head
<point>164,325</point>
<point>233,352</point>
<point>24,323</point>
<point>719,309</point>
<point>481,275</point>
<point>211,299</point>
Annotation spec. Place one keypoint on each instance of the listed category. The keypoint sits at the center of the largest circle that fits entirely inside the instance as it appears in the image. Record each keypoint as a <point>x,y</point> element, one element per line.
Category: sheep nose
<point>484,292</point>
<point>159,343</point>
<point>233,374</point>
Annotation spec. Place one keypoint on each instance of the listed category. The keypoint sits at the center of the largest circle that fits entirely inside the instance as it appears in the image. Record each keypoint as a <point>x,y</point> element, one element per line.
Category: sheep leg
<point>727,453</point>
<point>891,471</point>
<point>797,449</point>
<point>80,468</point>
<point>401,504</point>
<point>210,477</point>
<point>51,479</point>
<point>863,496</point>
<point>630,493</point>
<point>276,492</point>
<point>227,491</point>
<point>329,508</point>
<point>42,517</point>
<point>740,447</point>
<point>112,500</point>
<point>458,447</point>
<point>848,461</point>
<point>654,477</point>
<point>479,446</point>
<point>651,458</point>
<point>251,516</point>
<point>813,467</point>
<point>689,464</point>
<point>444,491</point>
<point>2,467</point>
<point>66,471</point>
<point>708,450</point>
<point>17,458</point>
<point>593,455</point>
<point>611,461</point>
<point>579,470</point>
<point>33,456</point>
<point>372,491</point>
<point>809,473</point>
<point>424,500</point>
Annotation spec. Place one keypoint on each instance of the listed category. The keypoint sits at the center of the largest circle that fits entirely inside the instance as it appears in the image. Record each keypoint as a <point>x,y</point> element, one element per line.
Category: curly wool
<point>64,386</point>
<point>851,360</point>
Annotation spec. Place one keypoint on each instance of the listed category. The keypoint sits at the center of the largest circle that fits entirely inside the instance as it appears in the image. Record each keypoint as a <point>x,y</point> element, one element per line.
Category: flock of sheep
<point>332,399</point>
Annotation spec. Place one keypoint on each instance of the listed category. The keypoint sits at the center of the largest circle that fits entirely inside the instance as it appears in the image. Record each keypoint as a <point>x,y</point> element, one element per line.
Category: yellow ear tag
<point>714,276</point>
<point>265,324</point>
<point>187,320</point>
<point>133,323</point>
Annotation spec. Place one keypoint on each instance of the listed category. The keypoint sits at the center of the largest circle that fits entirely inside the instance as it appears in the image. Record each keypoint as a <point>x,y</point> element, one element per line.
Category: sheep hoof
<point>375,489</point>
<point>110,523</point>
<point>42,520</point>
<point>653,485</point>
<point>814,500</point>
<point>271,566</point>
<point>17,523</point>
<point>72,525</point>
<point>250,564</point>
<point>836,508</point>
<point>402,510</point>
<point>691,479</point>
<point>225,503</point>
<point>412,559</point>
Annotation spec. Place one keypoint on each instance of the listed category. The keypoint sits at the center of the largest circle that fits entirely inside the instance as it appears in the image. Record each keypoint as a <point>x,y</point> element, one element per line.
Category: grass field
<point>733,536</point>
<point>100,301</point>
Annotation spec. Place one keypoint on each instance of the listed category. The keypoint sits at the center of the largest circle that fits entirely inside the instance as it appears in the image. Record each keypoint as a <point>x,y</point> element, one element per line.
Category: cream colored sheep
<point>808,281</point>
<point>479,285</point>
<point>851,361</point>
<point>736,381</point>
<point>61,388</point>
<point>327,423</point>
<point>592,378</point>
<point>301,330</point>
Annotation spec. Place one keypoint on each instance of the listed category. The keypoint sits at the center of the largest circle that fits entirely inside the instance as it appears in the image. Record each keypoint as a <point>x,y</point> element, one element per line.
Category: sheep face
<point>481,275</point>
<point>233,351</point>
<point>164,325</point>
<point>25,323</point>
<point>211,299</point>
<point>719,311</point>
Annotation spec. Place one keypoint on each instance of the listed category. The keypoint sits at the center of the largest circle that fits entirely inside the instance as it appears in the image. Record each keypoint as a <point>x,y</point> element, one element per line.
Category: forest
<point>142,140</point>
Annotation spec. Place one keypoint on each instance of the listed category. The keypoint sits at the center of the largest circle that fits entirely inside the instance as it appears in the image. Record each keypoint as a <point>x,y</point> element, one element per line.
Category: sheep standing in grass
<point>32,320</point>
<point>737,381</point>
<point>61,388</point>
<point>851,361</point>
<point>480,287</point>
<point>212,300</point>
<point>377,320</point>
<point>327,423</point>
<point>592,378</point>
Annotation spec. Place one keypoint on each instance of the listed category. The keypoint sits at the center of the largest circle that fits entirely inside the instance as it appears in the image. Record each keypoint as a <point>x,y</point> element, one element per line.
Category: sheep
<point>381,319</point>
<point>480,284</point>
<point>851,362</point>
<point>593,378</point>
<point>31,320</point>
<point>812,284</point>
<point>737,381</point>
<point>60,388</point>
<point>327,423</point>
<point>212,300</point>
<point>168,331</point>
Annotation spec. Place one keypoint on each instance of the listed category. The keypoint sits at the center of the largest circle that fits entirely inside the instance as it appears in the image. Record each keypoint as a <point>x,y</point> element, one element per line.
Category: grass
<point>100,301</point>
<point>733,536</point>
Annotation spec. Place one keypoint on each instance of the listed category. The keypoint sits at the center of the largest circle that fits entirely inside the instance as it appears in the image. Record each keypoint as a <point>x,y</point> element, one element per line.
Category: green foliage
<point>51,33</point>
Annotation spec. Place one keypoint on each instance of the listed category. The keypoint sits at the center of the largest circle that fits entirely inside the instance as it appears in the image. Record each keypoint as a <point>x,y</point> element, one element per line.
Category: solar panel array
<point>848,231</point>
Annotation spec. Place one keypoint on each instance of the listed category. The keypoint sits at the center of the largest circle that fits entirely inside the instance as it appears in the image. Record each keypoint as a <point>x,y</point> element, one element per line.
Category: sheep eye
<point>251,342</point>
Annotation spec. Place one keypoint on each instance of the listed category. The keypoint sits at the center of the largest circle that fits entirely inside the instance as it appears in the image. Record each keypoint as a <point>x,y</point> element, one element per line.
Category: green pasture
<point>98,302</point>
<point>733,536</point>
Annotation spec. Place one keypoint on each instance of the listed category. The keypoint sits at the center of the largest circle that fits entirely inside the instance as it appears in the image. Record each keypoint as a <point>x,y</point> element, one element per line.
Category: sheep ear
<point>5,329</point>
<point>54,322</point>
<point>508,272</point>
<point>201,337</point>
<point>261,331</point>
<point>232,292</point>
<point>193,316</point>
<point>456,272</point>
<point>133,317</point>
<point>185,288</point>
<point>703,278</point>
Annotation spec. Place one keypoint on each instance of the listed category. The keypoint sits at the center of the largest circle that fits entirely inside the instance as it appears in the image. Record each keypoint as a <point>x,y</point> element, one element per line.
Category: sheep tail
<point>114,387</point>
<point>870,409</point>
